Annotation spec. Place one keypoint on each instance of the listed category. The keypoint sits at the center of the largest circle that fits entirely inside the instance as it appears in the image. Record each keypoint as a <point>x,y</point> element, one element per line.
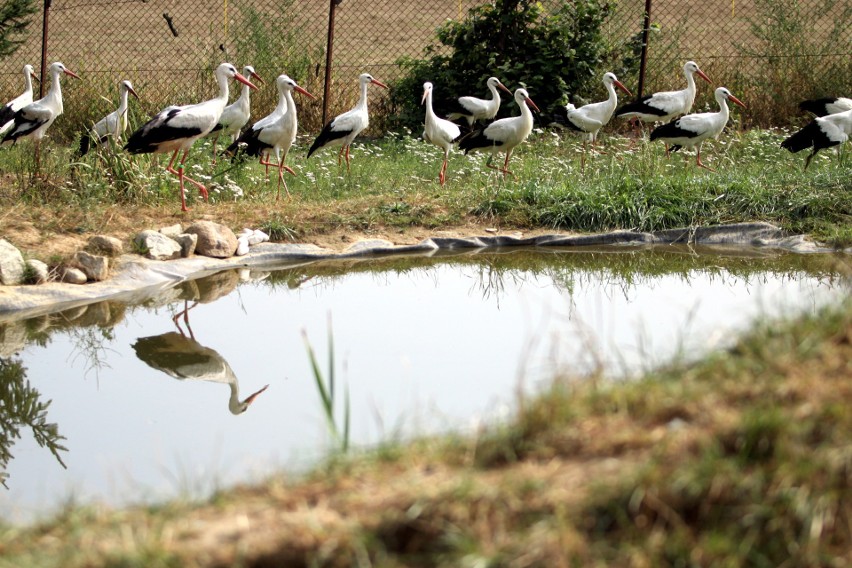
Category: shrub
<point>552,54</point>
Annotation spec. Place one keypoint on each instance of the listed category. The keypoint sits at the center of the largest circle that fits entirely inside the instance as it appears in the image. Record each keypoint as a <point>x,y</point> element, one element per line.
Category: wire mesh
<point>168,49</point>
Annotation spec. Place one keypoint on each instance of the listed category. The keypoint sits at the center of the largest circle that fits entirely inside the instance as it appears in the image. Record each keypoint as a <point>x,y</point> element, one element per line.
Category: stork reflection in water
<point>179,355</point>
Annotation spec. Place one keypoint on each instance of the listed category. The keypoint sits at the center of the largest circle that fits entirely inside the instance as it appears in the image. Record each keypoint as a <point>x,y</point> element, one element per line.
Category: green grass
<point>392,183</point>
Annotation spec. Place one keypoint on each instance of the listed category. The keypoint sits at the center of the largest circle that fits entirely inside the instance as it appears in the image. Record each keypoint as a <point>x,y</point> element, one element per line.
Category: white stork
<point>590,118</point>
<point>343,129</point>
<point>504,134</point>
<point>114,124</point>
<point>184,358</point>
<point>473,108</point>
<point>693,129</point>
<point>275,132</point>
<point>665,105</point>
<point>7,112</point>
<point>828,105</point>
<point>177,128</point>
<point>822,132</point>
<point>237,114</point>
<point>442,133</point>
<point>33,120</point>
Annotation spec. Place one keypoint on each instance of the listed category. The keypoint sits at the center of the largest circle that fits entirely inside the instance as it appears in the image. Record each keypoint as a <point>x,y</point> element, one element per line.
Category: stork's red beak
<point>244,81</point>
<point>532,104</point>
<point>299,89</point>
<point>251,398</point>
<point>423,98</point>
<point>703,76</point>
<point>504,87</point>
<point>379,83</point>
<point>71,73</point>
<point>736,101</point>
<point>33,75</point>
<point>621,86</point>
<point>132,92</point>
<point>256,77</point>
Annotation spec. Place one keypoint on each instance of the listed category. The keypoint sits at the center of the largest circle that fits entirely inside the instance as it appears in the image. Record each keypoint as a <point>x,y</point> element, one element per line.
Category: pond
<point>419,345</point>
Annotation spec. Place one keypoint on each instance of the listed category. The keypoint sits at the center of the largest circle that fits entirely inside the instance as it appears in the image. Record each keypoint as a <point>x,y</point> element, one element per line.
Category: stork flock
<point>469,123</point>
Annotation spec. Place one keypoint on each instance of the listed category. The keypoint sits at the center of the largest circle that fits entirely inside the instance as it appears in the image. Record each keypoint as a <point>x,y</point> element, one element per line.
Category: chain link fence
<point>771,53</point>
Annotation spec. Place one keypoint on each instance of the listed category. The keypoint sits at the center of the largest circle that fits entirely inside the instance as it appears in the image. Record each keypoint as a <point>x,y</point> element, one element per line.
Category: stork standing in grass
<point>826,106</point>
<point>442,133</point>
<point>237,114</point>
<point>503,135</point>
<point>822,132</point>
<point>473,109</point>
<point>114,124</point>
<point>665,105</point>
<point>176,128</point>
<point>7,112</point>
<point>590,118</point>
<point>343,129</point>
<point>692,130</point>
<point>275,132</point>
<point>33,120</point>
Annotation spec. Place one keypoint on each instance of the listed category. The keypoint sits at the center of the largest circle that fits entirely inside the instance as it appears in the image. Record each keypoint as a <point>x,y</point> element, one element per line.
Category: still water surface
<point>422,344</point>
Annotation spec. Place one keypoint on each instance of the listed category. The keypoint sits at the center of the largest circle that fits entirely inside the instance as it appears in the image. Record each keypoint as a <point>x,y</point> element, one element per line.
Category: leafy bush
<point>552,54</point>
<point>792,58</point>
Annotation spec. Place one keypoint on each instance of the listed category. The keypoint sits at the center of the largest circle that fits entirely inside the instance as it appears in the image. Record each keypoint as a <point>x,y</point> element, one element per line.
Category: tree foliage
<point>20,406</point>
<point>552,53</point>
<point>14,19</point>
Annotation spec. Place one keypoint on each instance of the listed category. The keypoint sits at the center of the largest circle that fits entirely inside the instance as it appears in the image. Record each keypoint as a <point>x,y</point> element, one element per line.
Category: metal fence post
<point>332,4</point>
<point>643,60</point>
<point>43,71</point>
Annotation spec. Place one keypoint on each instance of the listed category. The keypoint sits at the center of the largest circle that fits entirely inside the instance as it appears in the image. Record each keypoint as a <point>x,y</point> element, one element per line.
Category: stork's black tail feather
<point>85,144</point>
<point>816,106</point>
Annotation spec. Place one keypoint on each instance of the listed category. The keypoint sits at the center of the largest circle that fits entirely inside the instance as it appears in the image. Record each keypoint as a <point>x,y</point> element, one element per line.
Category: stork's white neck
<point>362,101</point>
<point>28,82</point>
<point>122,102</point>
<point>223,86</point>
<point>430,112</point>
<point>54,94</point>
<point>613,97</point>
<point>234,404</point>
<point>724,112</point>
<point>290,110</point>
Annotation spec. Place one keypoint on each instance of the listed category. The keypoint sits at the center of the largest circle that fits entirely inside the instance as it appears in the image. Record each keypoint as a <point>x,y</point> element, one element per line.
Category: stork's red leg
<point>340,155</point>
<point>698,160</point>
<point>347,158</point>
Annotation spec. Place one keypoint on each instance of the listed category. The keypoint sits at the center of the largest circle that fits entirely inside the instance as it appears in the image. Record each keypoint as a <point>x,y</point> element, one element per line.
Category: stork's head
<point>285,83</point>
<point>366,79</point>
<point>724,94</point>
<point>228,71</point>
<point>691,67</point>
<point>427,88</point>
<point>522,96</point>
<point>494,82</point>
<point>29,72</point>
<point>58,68</point>
<point>241,407</point>
<point>249,73</point>
<point>126,86</point>
<point>611,79</point>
